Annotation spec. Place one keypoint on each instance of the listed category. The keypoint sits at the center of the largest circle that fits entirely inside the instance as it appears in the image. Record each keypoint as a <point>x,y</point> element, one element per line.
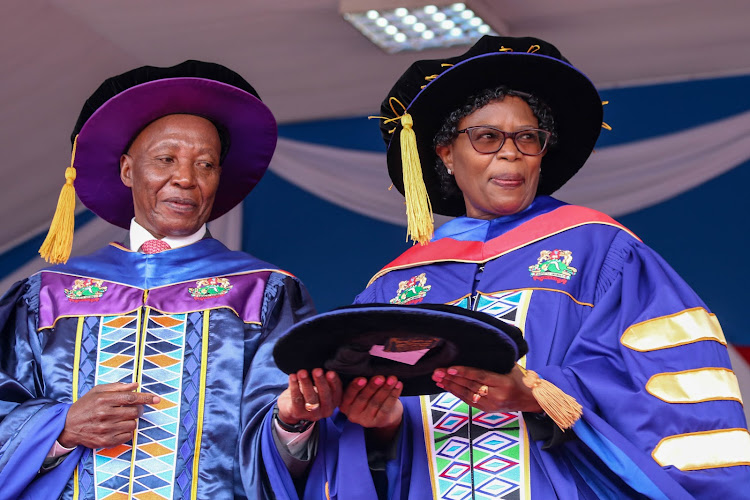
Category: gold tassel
<point>563,409</point>
<point>419,219</point>
<point>59,242</point>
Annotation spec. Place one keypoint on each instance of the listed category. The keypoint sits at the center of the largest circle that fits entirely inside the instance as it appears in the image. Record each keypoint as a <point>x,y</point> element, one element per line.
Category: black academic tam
<point>408,341</point>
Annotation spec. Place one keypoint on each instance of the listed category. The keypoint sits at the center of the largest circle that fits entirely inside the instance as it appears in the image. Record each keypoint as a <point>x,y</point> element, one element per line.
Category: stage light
<point>416,26</point>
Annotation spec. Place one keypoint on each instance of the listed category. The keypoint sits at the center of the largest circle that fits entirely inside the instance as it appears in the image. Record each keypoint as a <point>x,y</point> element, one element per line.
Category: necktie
<point>154,246</point>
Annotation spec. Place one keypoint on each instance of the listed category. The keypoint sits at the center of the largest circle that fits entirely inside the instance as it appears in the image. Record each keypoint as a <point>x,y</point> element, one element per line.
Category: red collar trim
<point>540,227</point>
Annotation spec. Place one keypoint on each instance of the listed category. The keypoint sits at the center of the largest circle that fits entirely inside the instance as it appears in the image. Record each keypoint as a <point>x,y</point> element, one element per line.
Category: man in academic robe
<point>143,370</point>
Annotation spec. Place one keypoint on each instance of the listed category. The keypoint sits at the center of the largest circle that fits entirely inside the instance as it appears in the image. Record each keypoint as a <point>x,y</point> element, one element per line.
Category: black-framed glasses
<point>485,139</point>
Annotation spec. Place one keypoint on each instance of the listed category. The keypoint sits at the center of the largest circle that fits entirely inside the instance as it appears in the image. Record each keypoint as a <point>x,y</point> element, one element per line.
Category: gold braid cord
<point>563,409</point>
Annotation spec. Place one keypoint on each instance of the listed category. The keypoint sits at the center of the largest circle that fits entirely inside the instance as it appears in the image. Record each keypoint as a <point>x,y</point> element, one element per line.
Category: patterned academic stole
<point>474,451</point>
<point>148,347</point>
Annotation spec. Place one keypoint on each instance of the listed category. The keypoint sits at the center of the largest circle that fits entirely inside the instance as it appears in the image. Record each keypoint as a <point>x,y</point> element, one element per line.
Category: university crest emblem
<point>86,290</point>
<point>553,265</point>
<point>412,291</point>
<point>210,287</point>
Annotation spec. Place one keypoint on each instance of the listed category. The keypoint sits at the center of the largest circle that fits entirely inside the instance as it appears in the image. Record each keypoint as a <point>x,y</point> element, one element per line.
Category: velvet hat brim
<point>432,89</point>
<point>342,340</point>
<point>114,115</point>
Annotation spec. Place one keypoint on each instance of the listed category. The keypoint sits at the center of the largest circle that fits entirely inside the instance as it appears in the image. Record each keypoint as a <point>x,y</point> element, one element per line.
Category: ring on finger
<point>312,406</point>
<point>483,391</point>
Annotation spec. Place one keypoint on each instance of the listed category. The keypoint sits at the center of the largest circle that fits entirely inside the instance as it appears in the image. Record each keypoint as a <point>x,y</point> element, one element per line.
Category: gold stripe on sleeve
<point>685,327</point>
<point>695,386</point>
<point>704,450</point>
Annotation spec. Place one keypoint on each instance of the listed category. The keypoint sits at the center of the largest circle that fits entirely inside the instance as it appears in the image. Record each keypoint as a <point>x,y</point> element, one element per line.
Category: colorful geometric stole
<point>158,338</point>
<point>473,454</point>
<point>165,353</point>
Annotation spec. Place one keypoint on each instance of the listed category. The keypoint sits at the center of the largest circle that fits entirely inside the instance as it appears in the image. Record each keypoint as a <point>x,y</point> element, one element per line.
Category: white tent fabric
<point>622,179</point>
<point>615,180</point>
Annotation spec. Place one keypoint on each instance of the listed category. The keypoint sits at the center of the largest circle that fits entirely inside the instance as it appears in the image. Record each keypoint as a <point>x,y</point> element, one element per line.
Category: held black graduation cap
<point>409,342</point>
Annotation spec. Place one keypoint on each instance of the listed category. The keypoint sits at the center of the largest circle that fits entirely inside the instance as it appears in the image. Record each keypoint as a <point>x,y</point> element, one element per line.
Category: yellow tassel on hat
<point>419,219</point>
<point>563,409</point>
<point>59,242</point>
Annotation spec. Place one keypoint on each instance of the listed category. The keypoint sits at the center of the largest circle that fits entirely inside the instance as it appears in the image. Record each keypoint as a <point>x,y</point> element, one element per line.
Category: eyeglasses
<point>486,140</point>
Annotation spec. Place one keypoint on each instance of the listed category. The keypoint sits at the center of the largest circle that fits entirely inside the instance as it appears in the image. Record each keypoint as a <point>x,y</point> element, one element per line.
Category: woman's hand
<point>487,391</point>
<point>374,404</point>
<point>309,397</point>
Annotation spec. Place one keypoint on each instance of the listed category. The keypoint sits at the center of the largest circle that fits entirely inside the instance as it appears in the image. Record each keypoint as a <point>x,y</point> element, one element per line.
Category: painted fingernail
<point>331,376</point>
<point>391,380</point>
<point>361,382</point>
<point>378,380</point>
<point>302,374</point>
<point>438,374</point>
<point>399,385</point>
<point>317,373</point>
<point>452,371</point>
<point>440,385</point>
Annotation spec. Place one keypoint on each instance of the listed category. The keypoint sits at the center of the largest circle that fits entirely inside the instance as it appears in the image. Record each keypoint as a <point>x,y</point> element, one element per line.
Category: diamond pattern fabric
<point>478,455</point>
<point>160,347</point>
<point>155,246</point>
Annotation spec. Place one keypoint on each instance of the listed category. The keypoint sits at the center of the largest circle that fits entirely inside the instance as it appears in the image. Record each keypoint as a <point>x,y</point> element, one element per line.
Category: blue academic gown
<point>609,323</point>
<point>195,325</point>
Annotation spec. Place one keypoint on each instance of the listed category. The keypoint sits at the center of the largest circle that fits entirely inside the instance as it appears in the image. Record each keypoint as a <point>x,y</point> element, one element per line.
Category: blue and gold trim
<point>201,404</point>
<point>76,372</point>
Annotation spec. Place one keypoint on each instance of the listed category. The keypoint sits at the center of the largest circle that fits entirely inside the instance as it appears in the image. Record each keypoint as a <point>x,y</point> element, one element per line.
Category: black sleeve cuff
<point>378,455</point>
<point>542,428</point>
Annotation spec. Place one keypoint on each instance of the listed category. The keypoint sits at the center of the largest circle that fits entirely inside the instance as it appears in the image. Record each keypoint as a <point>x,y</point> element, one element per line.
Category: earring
<point>450,172</point>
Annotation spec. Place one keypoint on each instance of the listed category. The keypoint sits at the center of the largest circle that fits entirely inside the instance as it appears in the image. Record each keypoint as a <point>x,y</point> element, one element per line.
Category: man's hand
<point>104,417</point>
<point>309,398</point>
<point>487,391</point>
<point>374,404</point>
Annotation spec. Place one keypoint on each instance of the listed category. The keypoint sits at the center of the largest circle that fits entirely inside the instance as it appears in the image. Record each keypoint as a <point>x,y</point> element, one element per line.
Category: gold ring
<point>476,397</point>
<point>483,391</point>
<point>312,406</point>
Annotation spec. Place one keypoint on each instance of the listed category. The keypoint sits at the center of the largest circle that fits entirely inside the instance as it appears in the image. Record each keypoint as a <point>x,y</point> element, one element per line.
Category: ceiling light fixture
<point>398,25</point>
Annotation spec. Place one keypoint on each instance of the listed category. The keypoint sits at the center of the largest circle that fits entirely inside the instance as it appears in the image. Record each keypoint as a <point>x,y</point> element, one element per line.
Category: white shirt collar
<point>139,235</point>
